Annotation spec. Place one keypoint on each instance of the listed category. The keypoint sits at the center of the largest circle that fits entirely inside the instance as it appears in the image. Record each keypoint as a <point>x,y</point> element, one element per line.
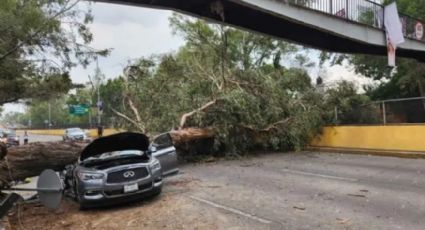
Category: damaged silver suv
<point>120,168</point>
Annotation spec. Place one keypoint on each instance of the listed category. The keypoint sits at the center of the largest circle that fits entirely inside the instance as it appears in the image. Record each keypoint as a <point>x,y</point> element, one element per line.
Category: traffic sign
<point>81,109</point>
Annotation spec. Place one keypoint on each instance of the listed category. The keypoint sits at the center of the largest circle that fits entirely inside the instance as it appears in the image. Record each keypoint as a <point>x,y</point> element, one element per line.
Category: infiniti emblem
<point>128,174</point>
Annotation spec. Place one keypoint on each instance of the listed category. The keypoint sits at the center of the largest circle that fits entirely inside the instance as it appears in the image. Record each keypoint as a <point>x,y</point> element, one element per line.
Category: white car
<point>74,134</point>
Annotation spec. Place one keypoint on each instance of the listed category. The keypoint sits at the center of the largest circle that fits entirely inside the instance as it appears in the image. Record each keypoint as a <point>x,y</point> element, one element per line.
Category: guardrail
<point>366,12</point>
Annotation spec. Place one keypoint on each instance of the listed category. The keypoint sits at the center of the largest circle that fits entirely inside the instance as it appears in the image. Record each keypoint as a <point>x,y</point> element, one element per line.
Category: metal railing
<point>366,12</point>
<point>395,111</point>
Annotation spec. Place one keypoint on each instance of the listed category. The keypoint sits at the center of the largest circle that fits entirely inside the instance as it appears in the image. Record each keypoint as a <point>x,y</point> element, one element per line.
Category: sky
<point>134,32</point>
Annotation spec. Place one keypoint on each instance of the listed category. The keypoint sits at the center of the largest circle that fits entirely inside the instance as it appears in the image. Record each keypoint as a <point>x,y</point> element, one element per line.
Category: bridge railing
<point>366,12</point>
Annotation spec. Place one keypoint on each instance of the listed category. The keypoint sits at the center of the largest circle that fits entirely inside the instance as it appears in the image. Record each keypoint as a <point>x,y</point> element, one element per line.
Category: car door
<point>163,149</point>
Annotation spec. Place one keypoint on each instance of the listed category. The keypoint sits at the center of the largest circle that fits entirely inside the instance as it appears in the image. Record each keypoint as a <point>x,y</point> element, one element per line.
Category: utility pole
<point>50,116</point>
<point>98,78</point>
<point>99,105</point>
<point>336,115</point>
<point>90,116</point>
<point>384,113</point>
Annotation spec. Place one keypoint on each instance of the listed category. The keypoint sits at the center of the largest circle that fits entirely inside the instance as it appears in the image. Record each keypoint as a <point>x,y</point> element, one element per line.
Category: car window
<point>163,141</point>
<point>74,130</point>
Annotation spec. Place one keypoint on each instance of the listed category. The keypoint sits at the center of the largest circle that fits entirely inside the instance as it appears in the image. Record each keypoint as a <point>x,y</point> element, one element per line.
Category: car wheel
<point>157,191</point>
<point>84,206</point>
<point>76,197</point>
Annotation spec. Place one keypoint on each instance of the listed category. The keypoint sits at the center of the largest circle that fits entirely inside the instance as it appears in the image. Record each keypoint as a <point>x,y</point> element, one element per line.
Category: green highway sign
<point>81,109</point>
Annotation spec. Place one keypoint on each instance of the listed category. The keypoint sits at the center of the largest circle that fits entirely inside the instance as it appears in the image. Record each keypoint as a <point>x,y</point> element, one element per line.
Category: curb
<point>373,152</point>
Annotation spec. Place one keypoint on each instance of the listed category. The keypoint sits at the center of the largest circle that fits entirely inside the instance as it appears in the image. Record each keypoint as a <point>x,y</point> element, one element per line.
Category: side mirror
<point>153,149</point>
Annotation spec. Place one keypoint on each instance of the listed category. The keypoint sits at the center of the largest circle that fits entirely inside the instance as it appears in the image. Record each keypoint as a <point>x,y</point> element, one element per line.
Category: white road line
<point>319,175</point>
<point>235,211</point>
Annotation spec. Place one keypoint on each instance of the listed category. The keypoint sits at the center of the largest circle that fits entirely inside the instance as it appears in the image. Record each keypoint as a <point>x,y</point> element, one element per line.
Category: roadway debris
<point>343,221</point>
<point>357,195</point>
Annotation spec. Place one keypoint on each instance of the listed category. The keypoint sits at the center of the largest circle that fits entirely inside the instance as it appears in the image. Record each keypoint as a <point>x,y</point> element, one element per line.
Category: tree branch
<point>138,125</point>
<point>187,115</point>
<point>38,31</point>
<point>134,109</point>
<point>272,126</point>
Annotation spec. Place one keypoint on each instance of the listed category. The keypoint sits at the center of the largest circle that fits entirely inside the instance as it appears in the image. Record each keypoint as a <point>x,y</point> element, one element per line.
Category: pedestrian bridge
<point>343,26</point>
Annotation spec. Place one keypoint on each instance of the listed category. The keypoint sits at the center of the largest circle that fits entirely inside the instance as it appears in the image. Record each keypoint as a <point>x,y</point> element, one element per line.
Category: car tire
<point>84,206</point>
<point>157,191</point>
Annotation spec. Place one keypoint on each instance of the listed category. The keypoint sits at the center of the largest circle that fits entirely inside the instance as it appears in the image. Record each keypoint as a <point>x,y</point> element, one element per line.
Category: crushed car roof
<point>116,142</point>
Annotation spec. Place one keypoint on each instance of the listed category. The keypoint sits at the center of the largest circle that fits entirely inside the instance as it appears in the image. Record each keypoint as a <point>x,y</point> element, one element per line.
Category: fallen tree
<point>18,163</point>
<point>30,160</point>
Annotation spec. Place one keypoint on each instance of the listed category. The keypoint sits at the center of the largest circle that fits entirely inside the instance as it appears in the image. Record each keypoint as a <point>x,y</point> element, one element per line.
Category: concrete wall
<point>388,138</point>
<point>60,132</point>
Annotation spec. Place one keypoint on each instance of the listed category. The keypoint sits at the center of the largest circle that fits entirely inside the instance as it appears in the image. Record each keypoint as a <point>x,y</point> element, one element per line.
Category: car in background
<point>9,137</point>
<point>74,134</point>
<point>120,168</point>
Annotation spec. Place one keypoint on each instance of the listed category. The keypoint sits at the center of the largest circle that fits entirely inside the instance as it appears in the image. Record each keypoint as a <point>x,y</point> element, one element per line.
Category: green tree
<point>41,40</point>
<point>228,79</point>
<point>14,118</point>
<point>351,107</point>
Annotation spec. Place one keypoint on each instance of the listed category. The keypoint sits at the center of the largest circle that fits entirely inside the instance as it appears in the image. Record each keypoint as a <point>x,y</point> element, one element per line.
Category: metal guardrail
<point>366,12</point>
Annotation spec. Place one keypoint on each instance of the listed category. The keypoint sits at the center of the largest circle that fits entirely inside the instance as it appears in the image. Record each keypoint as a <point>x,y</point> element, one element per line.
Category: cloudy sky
<point>133,32</point>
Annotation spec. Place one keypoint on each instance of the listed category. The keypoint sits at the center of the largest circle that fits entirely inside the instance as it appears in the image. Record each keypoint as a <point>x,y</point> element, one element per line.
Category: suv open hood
<point>116,142</point>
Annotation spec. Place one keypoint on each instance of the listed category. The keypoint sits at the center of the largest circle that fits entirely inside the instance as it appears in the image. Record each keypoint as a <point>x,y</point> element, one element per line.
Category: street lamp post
<point>50,117</point>
<point>99,105</point>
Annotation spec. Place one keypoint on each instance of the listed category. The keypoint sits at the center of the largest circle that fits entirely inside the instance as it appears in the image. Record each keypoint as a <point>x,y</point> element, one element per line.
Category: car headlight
<point>86,176</point>
<point>155,165</point>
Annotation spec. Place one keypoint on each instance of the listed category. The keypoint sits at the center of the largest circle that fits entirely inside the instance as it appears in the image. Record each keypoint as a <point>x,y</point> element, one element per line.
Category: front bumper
<point>117,200</point>
<point>105,194</point>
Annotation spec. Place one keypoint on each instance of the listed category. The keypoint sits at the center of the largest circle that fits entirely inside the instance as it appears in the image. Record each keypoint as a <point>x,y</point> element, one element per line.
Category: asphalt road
<point>276,191</point>
<point>314,191</point>
<point>38,138</point>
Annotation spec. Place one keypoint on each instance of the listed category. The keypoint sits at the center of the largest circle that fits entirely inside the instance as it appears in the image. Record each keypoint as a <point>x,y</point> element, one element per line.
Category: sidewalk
<point>374,152</point>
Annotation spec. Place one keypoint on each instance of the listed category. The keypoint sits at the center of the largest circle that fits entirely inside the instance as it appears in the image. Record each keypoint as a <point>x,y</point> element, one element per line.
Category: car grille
<point>121,191</point>
<point>126,175</point>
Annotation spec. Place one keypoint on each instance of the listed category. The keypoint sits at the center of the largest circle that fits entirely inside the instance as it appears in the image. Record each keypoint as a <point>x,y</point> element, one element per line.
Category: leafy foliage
<point>41,40</point>
<point>222,78</point>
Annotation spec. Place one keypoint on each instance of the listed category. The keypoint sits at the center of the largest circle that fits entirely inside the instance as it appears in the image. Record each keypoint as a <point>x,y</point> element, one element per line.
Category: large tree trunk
<point>187,135</point>
<point>30,160</point>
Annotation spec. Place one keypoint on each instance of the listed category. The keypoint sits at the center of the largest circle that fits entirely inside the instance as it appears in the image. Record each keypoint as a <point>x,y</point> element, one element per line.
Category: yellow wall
<point>392,137</point>
<point>60,132</point>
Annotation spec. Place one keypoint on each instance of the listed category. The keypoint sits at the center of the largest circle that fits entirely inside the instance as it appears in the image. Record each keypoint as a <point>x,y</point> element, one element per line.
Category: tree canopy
<point>40,41</point>
<point>236,82</point>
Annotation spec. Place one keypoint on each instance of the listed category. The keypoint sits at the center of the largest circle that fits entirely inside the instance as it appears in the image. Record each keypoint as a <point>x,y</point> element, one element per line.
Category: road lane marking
<point>232,210</point>
<point>319,175</point>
